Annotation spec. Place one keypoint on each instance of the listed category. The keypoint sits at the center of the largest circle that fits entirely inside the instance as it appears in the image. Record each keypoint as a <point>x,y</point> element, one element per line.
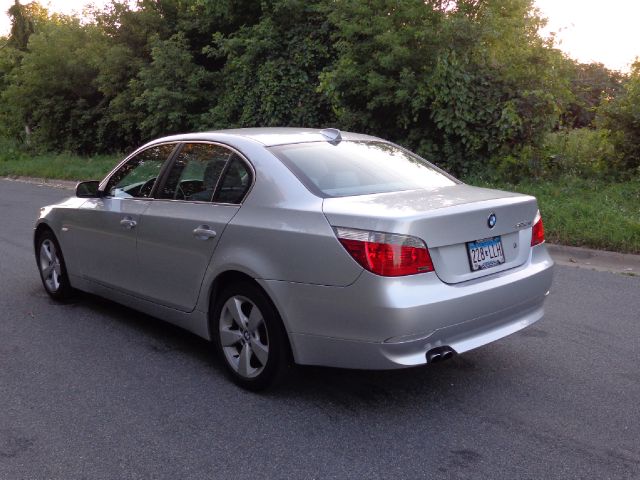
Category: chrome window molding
<point>169,163</point>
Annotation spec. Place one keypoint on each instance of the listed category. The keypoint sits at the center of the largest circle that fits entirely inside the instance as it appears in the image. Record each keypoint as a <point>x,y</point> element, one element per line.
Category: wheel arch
<point>40,228</point>
<point>229,277</point>
<point>65,290</point>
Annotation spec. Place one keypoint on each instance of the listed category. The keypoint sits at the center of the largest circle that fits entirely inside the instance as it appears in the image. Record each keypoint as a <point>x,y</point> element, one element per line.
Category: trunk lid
<point>446,219</point>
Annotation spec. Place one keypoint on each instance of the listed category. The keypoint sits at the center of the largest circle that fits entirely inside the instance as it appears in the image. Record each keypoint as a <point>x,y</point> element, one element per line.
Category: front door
<point>104,230</point>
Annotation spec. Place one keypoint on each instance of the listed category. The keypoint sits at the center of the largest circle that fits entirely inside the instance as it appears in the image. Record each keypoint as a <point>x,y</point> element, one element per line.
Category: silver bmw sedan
<point>315,247</point>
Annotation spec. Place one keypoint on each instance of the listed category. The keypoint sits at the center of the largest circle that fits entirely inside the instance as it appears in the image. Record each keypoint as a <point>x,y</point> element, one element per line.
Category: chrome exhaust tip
<point>439,353</point>
<point>433,357</point>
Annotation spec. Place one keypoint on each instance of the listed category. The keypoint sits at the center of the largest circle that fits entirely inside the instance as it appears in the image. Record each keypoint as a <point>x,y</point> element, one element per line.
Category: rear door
<point>104,230</point>
<point>180,229</point>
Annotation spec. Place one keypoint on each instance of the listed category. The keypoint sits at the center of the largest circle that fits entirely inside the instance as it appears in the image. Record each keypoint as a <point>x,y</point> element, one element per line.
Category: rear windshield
<point>359,168</point>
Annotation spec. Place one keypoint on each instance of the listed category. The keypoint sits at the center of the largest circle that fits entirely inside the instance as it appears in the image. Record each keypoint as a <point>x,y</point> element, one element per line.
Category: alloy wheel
<point>243,336</point>
<point>50,266</point>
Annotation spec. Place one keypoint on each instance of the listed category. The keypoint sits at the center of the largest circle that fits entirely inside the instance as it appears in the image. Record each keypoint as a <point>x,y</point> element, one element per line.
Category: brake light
<point>537,232</point>
<point>386,254</point>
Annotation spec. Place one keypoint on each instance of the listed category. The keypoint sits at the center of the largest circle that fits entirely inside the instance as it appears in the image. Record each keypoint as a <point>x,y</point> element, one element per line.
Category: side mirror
<point>88,189</point>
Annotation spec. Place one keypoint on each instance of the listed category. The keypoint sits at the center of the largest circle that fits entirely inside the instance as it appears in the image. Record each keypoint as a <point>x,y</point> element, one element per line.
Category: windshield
<point>359,168</point>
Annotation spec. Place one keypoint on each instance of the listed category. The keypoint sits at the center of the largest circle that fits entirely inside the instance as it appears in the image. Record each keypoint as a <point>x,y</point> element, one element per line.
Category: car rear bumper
<point>385,323</point>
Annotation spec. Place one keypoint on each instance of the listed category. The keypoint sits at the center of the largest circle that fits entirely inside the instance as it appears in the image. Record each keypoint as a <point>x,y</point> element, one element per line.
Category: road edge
<point>600,260</point>
<point>55,183</point>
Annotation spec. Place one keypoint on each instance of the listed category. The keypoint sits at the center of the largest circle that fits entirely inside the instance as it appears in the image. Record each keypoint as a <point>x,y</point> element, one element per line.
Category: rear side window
<point>359,168</point>
<point>235,183</point>
<point>205,172</point>
<point>195,173</point>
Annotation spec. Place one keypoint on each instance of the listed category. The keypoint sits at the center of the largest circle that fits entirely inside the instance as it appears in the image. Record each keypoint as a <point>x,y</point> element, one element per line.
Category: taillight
<point>386,254</point>
<point>537,232</point>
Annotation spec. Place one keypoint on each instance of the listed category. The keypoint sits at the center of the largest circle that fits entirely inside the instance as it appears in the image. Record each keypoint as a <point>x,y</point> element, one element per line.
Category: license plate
<point>485,253</point>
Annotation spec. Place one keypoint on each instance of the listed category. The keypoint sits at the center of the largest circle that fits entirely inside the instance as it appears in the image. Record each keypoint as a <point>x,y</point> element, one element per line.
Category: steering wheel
<point>145,189</point>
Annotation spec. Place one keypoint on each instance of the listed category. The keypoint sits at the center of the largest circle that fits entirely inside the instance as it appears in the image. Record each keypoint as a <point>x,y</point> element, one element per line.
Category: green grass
<point>585,213</point>
<point>55,166</point>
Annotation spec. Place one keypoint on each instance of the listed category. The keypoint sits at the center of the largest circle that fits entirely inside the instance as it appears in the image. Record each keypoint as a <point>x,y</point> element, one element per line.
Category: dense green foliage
<point>459,85</point>
<point>590,84</point>
<point>271,69</point>
<point>52,90</point>
<point>621,115</point>
<point>468,84</point>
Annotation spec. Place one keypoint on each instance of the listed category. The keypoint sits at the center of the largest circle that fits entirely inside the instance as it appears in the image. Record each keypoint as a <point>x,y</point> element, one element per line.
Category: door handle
<point>204,232</point>
<point>128,223</point>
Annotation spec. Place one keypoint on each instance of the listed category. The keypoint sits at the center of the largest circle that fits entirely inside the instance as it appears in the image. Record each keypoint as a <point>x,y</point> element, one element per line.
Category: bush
<point>582,152</point>
<point>10,150</point>
<point>621,115</point>
<point>456,82</point>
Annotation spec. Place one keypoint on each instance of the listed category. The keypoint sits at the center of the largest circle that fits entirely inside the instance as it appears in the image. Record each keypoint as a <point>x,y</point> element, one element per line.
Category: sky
<point>62,6</point>
<point>605,31</point>
<point>595,30</point>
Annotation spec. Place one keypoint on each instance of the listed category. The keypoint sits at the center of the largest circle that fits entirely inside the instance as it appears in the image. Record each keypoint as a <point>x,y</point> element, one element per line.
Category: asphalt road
<point>95,390</point>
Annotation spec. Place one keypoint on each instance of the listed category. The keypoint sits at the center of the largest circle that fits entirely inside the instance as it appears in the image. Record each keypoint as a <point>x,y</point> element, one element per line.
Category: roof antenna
<point>332,135</point>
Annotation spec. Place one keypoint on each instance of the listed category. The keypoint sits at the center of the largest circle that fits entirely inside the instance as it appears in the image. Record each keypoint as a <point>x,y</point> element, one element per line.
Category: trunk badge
<point>492,220</point>
<point>522,225</point>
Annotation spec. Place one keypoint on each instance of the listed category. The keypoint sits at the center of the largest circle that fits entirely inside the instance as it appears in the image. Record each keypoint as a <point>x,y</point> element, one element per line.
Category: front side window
<point>196,171</point>
<point>359,168</point>
<point>136,178</point>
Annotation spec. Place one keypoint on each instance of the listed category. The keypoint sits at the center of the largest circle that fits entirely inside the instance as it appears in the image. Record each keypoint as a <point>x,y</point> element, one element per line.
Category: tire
<point>53,271</point>
<point>249,337</point>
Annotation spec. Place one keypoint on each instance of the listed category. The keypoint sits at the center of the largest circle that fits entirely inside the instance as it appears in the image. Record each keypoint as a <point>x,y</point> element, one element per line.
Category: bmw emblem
<point>492,220</point>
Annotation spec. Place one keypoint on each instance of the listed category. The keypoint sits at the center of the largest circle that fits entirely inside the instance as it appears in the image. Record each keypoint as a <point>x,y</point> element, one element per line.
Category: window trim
<point>165,173</point>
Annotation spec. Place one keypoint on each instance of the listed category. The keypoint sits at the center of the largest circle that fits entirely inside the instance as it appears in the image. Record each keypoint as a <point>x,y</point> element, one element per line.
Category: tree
<point>22,26</point>
<point>271,69</point>
<point>52,90</point>
<point>153,71</point>
<point>621,115</point>
<point>462,82</point>
<point>24,21</point>
<point>174,90</point>
<point>590,84</point>
<point>457,82</point>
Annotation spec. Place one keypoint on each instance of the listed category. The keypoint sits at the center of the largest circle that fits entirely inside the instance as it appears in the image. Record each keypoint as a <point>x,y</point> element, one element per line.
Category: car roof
<point>271,136</point>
